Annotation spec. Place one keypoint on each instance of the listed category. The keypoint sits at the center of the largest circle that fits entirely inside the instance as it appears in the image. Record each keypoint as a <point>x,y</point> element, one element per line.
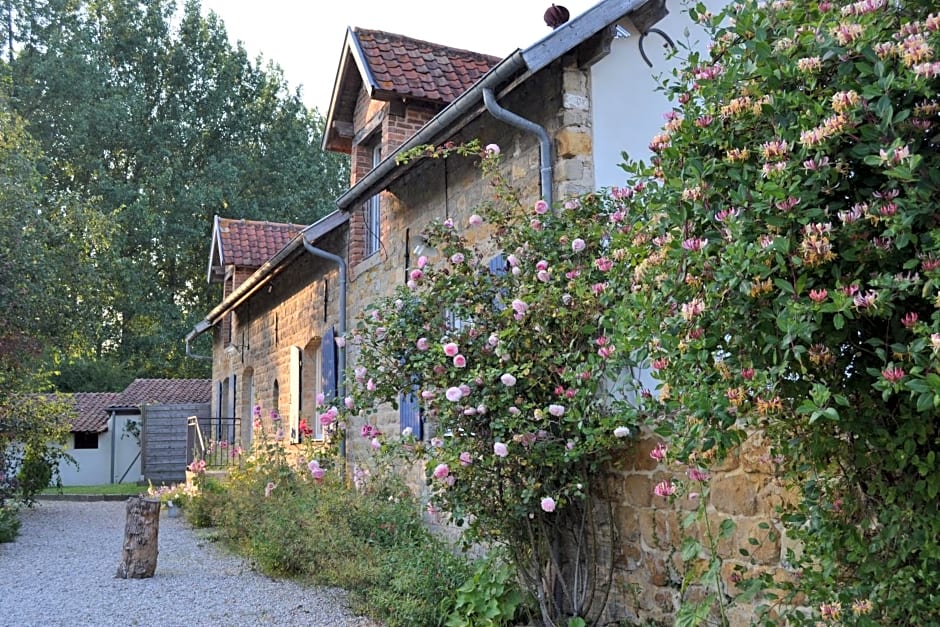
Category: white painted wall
<point>95,464</point>
<point>628,109</point>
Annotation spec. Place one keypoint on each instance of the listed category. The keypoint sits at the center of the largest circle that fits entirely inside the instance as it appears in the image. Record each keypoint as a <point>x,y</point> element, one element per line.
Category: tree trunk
<point>139,559</point>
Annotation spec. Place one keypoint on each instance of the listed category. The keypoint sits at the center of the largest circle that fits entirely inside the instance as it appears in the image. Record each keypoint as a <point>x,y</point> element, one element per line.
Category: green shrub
<point>9,524</point>
<point>490,597</point>
<point>373,543</point>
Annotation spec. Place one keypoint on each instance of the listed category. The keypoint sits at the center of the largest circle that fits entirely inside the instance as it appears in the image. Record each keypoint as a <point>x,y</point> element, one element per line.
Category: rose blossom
<point>508,380</point>
<point>556,410</point>
<point>441,471</point>
<point>492,149</point>
<point>453,394</point>
<point>548,504</point>
<point>500,450</point>
<point>541,207</point>
<point>451,349</point>
<point>621,432</point>
<point>423,344</point>
<point>460,361</point>
<point>578,245</point>
<point>465,459</point>
<point>475,220</point>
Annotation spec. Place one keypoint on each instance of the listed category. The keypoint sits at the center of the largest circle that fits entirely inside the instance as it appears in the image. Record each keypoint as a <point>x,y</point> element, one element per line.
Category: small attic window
<point>85,440</point>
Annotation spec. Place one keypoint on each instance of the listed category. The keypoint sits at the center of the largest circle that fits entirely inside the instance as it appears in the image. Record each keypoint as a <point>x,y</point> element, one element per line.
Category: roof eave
<point>270,268</point>
<point>521,63</point>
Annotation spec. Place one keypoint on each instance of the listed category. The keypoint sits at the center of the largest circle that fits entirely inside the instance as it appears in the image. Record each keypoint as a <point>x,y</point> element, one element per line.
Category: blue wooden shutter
<point>498,265</point>
<point>409,412</point>
<point>328,365</point>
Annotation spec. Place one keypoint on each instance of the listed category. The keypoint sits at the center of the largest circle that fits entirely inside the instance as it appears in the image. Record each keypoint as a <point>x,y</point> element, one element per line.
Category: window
<point>373,212</point>
<point>296,392</point>
<point>85,439</point>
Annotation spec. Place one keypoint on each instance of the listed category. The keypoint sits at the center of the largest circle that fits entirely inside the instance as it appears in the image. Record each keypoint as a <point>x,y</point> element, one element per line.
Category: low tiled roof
<point>164,392</point>
<point>91,410</point>
<point>249,243</point>
<point>420,69</point>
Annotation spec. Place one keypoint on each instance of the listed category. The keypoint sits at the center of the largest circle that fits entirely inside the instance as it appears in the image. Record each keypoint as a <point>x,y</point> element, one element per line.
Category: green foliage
<point>294,522</point>
<point>783,259</point>
<point>33,431</point>
<point>9,523</point>
<point>149,122</point>
<point>490,597</point>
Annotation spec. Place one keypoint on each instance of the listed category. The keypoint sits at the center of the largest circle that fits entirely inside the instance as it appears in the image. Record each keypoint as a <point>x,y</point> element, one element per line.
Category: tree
<point>160,128</point>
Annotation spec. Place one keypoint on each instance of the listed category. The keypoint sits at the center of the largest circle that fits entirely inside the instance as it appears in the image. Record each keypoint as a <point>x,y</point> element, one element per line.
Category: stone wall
<point>295,308</point>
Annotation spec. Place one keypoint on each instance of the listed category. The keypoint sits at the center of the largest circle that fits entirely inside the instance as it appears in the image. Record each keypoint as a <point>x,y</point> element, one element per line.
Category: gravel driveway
<point>60,571</point>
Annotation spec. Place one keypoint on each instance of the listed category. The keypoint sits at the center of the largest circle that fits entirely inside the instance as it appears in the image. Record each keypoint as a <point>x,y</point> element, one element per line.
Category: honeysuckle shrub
<point>780,268</point>
<point>502,340</point>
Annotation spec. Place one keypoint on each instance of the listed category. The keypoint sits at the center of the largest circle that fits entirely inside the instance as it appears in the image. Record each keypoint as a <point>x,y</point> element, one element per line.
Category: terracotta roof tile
<point>249,243</point>
<point>420,69</point>
<point>91,410</point>
<point>165,392</point>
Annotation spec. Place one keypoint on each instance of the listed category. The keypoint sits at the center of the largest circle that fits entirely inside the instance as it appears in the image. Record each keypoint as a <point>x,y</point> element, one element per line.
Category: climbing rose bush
<point>501,340</point>
<point>780,269</point>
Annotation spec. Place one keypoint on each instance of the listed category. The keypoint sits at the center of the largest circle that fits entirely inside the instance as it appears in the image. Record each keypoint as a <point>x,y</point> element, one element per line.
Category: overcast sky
<point>305,37</point>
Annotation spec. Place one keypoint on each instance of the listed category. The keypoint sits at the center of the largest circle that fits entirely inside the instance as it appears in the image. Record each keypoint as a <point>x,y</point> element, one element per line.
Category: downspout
<point>200,328</point>
<point>113,426</point>
<point>341,350</point>
<point>545,142</point>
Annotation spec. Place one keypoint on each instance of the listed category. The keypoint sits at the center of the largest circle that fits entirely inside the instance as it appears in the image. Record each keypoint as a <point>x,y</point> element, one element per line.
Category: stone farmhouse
<point>563,110</point>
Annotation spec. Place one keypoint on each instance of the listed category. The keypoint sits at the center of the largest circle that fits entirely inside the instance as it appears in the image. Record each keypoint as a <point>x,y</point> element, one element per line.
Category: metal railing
<point>216,440</point>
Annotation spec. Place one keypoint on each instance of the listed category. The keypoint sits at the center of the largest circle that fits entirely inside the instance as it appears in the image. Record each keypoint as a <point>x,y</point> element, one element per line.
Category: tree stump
<point>139,559</point>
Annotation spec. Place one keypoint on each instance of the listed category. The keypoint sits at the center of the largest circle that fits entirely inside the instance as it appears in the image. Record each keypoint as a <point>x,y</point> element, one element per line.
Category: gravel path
<point>60,571</point>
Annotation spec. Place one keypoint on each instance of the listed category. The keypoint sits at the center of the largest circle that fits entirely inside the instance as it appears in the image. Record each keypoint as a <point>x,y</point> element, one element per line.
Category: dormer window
<point>373,211</point>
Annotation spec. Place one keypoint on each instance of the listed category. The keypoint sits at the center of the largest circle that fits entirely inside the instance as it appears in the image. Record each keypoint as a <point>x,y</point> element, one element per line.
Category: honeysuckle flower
<point>453,394</point>
<point>492,149</point>
<point>659,452</point>
<point>621,432</point>
<point>441,471</point>
<point>578,244</point>
<point>500,449</point>
<point>893,375</point>
<point>556,410</point>
<point>451,349</point>
<point>830,610</point>
<point>664,488</point>
<point>603,264</point>
<point>861,607</point>
<point>696,474</point>
<point>475,220</point>
<point>909,319</point>
<point>460,361</point>
<point>818,296</point>
<point>507,379</point>
<point>747,373</point>
<point>548,504</point>
<point>935,341</point>
<point>541,207</point>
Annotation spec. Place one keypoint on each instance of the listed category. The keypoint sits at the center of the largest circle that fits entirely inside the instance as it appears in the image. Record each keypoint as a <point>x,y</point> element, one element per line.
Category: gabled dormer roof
<point>246,244</point>
<point>395,67</point>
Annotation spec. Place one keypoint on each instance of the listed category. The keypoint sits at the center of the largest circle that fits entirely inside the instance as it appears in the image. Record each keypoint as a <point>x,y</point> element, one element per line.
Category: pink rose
<point>451,349</point>
<point>508,380</point>
<point>548,504</point>
<point>441,471</point>
<point>492,149</point>
<point>578,245</point>
<point>465,459</point>
<point>541,207</point>
<point>475,220</point>
<point>500,450</point>
<point>423,344</point>
<point>556,410</point>
<point>460,361</point>
<point>453,394</point>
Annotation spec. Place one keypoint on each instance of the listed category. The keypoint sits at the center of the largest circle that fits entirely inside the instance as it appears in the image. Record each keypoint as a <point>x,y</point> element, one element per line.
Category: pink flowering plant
<point>502,339</point>
<point>780,267</point>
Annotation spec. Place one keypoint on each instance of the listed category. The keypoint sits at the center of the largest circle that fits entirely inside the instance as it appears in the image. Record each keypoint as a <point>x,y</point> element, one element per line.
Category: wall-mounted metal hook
<point>666,37</point>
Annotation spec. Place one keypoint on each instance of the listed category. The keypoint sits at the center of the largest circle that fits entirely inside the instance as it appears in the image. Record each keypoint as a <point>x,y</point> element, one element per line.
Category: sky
<point>306,37</point>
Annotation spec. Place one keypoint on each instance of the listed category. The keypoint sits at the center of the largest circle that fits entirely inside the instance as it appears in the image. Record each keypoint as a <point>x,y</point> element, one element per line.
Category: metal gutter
<point>376,180</point>
<point>521,62</point>
<point>263,274</point>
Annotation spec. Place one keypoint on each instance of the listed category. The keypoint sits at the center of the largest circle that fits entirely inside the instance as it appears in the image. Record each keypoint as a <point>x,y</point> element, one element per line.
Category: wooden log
<point>139,558</point>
